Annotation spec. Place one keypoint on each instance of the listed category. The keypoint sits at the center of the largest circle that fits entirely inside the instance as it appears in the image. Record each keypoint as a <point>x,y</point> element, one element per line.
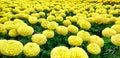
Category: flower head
<point>48,33</point>
<point>60,52</point>
<point>93,48</point>
<point>12,48</point>
<point>115,39</point>
<point>77,52</point>
<point>31,49</point>
<point>62,30</point>
<point>40,39</point>
<point>25,30</point>
<point>75,40</point>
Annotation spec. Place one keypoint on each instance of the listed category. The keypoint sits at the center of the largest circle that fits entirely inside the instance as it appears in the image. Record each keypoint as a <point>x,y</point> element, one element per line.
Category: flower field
<point>59,28</point>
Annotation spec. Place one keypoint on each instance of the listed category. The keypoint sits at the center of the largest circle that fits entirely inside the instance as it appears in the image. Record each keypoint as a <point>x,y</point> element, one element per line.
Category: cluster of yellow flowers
<point>49,14</point>
<point>64,52</point>
<point>14,48</point>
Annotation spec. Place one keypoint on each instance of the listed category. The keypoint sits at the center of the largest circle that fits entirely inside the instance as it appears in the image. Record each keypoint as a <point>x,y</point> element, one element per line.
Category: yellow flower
<point>96,39</point>
<point>108,32</point>
<point>12,48</point>
<point>44,23</point>
<point>39,8</point>
<point>84,35</point>
<point>75,40</point>
<point>31,49</point>
<point>4,19</point>
<point>9,25</point>
<point>16,10</point>
<point>52,25</point>
<point>35,15</point>
<point>93,48</point>
<point>67,22</point>
<point>4,32</point>
<point>41,20</point>
<point>13,33</point>
<point>117,22</point>
<point>60,52</point>
<point>21,15</point>
<point>59,18</point>
<point>25,30</point>
<point>2,27</point>
<point>113,19</point>
<point>73,29</point>
<point>48,33</point>
<point>41,14</point>
<point>85,25</point>
<point>18,24</point>
<point>3,42</point>
<point>32,20</point>
<point>17,20</point>
<point>77,52</point>
<point>116,28</point>
<point>51,18</point>
<point>62,14</point>
<point>40,39</point>
<point>73,19</point>
<point>115,39</point>
<point>62,30</point>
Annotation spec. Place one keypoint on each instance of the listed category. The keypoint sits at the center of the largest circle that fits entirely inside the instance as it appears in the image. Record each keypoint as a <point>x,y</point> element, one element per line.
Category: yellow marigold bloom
<point>13,33</point>
<point>31,49</point>
<point>52,25</point>
<point>35,15</point>
<point>3,32</point>
<point>7,15</point>
<point>108,32</point>
<point>32,20</point>
<point>73,19</point>
<point>78,52</point>
<point>62,30</point>
<point>60,52</point>
<point>21,15</point>
<point>116,28</point>
<point>2,43</point>
<point>17,20</point>
<point>75,40</point>
<point>2,27</point>
<point>113,19</point>
<point>67,22</point>
<point>39,8</point>
<point>41,20</point>
<point>62,14</point>
<point>117,22</point>
<point>44,24</point>
<point>12,48</point>
<point>25,30</point>
<point>41,14</point>
<point>73,29</point>
<point>84,35</point>
<point>9,25</point>
<point>40,39</point>
<point>85,25</point>
<point>93,48</point>
<point>16,10</point>
<point>4,19</point>
<point>51,18</point>
<point>96,39</point>
<point>18,24</point>
<point>48,33</point>
<point>59,18</point>
<point>68,17</point>
<point>115,39</point>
